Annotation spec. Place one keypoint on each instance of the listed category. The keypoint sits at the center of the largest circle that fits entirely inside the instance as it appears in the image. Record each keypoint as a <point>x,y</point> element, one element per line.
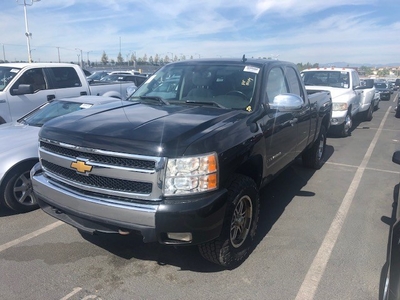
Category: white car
<point>19,148</point>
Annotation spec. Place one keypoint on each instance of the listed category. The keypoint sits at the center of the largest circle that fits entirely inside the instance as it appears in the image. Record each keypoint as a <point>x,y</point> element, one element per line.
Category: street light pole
<point>88,61</point>
<point>27,33</point>
<point>81,62</point>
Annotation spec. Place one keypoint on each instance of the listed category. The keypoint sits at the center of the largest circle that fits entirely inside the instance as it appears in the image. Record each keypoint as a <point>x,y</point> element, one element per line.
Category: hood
<point>17,143</point>
<point>15,137</point>
<point>156,130</point>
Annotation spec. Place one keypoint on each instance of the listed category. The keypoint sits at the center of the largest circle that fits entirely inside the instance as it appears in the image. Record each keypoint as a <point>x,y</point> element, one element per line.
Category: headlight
<point>189,175</point>
<point>339,106</point>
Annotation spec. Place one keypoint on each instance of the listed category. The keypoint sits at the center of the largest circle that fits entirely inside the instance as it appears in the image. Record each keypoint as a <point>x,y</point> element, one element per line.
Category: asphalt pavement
<point>322,235</point>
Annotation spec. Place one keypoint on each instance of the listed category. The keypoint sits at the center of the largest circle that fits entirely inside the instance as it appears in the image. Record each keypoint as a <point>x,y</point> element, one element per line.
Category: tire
<point>368,114</point>
<point>377,105</point>
<point>348,123</point>
<point>312,157</point>
<point>18,192</point>
<point>234,244</point>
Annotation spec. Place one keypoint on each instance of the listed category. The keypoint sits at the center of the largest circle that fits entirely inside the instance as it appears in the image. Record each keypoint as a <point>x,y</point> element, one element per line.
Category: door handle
<point>50,97</point>
<point>293,121</point>
<point>83,93</point>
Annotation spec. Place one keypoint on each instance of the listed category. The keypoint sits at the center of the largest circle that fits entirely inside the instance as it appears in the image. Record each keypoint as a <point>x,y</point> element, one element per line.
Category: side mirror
<point>396,157</point>
<point>284,102</point>
<point>23,89</point>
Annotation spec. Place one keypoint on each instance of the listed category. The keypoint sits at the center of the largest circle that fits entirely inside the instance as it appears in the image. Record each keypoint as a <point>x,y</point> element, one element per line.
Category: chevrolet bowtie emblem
<point>81,166</point>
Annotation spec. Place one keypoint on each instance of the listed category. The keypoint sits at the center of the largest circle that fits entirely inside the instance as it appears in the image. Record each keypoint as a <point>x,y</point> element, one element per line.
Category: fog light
<point>180,236</point>
<point>334,120</point>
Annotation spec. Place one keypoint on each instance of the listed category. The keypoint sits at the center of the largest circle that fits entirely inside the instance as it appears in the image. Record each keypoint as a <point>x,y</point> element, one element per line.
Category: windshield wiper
<point>210,103</point>
<point>155,98</point>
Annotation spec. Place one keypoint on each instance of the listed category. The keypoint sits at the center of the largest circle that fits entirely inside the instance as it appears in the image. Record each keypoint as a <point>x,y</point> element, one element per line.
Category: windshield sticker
<point>247,82</point>
<point>14,70</point>
<point>251,69</point>
<point>86,105</point>
<point>345,85</point>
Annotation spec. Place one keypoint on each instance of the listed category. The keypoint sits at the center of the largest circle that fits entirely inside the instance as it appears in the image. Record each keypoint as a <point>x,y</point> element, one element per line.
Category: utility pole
<point>27,33</point>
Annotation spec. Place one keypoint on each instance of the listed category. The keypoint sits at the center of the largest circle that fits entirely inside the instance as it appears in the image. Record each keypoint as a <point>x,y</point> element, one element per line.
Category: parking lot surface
<point>322,235</point>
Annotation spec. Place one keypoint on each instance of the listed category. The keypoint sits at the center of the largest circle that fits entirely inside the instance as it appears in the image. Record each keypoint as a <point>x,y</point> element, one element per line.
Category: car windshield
<point>51,110</point>
<point>6,75</point>
<point>381,85</point>
<point>225,86</point>
<point>337,79</point>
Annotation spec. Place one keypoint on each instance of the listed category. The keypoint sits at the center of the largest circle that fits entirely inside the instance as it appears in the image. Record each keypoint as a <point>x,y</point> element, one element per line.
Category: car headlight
<point>190,175</point>
<point>339,106</point>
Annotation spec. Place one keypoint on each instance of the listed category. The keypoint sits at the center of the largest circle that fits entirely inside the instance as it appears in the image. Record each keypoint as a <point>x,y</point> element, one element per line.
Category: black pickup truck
<point>183,159</point>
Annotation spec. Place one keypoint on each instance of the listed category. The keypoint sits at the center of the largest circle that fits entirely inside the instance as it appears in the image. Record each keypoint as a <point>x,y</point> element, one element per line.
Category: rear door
<point>66,82</point>
<point>303,114</point>
<point>279,127</point>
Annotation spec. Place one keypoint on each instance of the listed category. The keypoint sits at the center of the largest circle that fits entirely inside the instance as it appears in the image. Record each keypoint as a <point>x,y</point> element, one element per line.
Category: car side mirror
<point>23,89</point>
<point>285,102</point>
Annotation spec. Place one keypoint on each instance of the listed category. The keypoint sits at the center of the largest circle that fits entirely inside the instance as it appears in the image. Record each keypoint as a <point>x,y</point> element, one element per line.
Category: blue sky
<point>315,31</point>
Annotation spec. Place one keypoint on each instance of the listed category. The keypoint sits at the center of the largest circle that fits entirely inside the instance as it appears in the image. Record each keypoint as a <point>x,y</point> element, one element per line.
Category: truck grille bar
<point>112,174</point>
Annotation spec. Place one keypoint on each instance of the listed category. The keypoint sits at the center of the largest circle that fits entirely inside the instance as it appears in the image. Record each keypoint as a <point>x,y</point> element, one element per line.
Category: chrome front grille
<point>99,181</point>
<point>112,176</point>
<point>112,160</point>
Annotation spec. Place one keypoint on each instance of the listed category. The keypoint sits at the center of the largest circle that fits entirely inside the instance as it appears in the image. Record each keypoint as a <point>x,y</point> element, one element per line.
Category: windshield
<point>51,110</point>
<point>226,86</point>
<point>380,85</point>
<point>6,75</point>
<point>337,79</point>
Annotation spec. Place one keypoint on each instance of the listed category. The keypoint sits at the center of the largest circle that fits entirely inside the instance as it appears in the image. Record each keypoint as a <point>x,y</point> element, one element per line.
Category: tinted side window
<point>65,77</point>
<point>356,79</point>
<point>276,83</point>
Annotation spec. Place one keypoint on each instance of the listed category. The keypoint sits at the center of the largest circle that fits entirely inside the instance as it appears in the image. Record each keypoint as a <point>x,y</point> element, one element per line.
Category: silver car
<point>19,148</point>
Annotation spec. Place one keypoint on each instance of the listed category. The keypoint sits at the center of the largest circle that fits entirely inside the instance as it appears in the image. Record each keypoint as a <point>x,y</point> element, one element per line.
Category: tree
<point>156,59</point>
<point>104,58</point>
<point>383,72</point>
<point>151,60</point>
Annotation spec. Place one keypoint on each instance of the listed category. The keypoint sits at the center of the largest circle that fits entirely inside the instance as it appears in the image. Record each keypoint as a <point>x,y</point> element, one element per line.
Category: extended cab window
<point>294,82</point>
<point>65,77</point>
<point>276,84</point>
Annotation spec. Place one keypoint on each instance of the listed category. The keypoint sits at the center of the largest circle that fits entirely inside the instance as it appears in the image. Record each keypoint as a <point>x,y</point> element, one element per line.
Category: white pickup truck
<point>347,95</point>
<point>25,86</point>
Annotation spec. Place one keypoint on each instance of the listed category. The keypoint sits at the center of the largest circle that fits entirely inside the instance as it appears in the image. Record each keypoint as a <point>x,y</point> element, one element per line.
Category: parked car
<point>185,169</point>
<point>383,89</point>
<point>128,72</point>
<point>397,108</point>
<point>347,95</point>
<point>397,84</point>
<point>370,95</point>
<point>392,285</point>
<point>116,77</point>
<point>97,75</point>
<point>25,86</point>
<point>19,148</point>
